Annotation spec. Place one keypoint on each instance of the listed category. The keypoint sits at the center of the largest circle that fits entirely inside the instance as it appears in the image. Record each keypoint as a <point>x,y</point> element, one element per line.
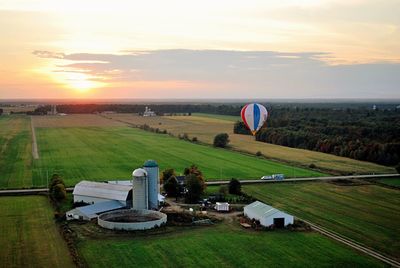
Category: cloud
<point>258,73</point>
<point>48,54</point>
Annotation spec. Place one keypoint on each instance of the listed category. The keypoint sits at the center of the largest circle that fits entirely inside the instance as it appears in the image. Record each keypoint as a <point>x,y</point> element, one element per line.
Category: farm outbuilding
<point>94,192</point>
<point>93,211</point>
<point>267,215</point>
<point>221,206</point>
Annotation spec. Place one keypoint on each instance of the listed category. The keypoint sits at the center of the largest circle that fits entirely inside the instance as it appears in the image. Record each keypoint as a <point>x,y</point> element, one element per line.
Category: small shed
<point>94,192</point>
<point>221,206</point>
<point>267,215</point>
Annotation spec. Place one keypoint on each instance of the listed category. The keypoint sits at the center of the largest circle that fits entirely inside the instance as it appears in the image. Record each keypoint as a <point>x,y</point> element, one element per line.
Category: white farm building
<point>267,215</point>
<point>95,192</point>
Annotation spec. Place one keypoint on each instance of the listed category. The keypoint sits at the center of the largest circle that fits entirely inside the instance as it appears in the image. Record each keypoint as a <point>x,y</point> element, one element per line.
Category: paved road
<point>308,179</point>
<point>70,189</point>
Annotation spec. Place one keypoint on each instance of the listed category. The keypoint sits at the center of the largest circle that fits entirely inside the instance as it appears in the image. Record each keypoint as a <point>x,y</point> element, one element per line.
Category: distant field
<point>74,120</point>
<point>206,126</point>
<point>109,153</point>
<point>368,214</point>
<point>222,246</point>
<point>15,152</point>
<point>28,234</point>
<point>219,116</point>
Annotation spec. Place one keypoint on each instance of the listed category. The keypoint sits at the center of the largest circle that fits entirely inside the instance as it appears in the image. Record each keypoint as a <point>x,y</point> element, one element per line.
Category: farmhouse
<point>267,215</point>
<point>95,192</point>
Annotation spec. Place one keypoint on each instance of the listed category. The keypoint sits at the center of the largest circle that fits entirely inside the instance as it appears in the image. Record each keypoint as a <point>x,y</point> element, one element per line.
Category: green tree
<point>59,192</point>
<point>221,140</point>
<point>235,187</point>
<point>195,183</point>
<point>171,186</point>
<point>166,174</point>
<point>57,189</point>
<point>194,188</point>
<point>223,189</point>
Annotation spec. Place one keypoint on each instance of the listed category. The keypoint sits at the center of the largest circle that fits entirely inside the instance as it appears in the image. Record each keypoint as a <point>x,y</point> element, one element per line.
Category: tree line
<point>360,134</point>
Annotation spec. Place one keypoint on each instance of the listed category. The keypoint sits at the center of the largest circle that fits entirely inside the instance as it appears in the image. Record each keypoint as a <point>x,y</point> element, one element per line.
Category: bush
<point>57,188</point>
<point>312,165</point>
<point>398,168</point>
<point>259,153</point>
<point>223,189</point>
<point>221,140</point>
<point>235,187</point>
<point>194,139</point>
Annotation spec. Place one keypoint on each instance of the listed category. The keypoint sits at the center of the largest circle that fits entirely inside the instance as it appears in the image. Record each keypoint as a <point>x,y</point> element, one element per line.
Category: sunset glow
<point>92,47</point>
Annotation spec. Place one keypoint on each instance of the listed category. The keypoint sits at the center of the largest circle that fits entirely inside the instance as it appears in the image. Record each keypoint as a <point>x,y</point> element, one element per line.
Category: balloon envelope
<point>254,116</point>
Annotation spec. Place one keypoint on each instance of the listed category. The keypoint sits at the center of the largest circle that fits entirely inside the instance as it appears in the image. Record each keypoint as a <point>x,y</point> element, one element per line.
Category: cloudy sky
<point>200,49</point>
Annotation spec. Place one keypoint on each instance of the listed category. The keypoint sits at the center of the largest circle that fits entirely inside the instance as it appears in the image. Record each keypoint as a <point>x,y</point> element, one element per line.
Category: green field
<point>391,181</point>
<point>109,153</point>
<point>222,246</point>
<point>15,152</point>
<point>28,234</point>
<point>368,214</point>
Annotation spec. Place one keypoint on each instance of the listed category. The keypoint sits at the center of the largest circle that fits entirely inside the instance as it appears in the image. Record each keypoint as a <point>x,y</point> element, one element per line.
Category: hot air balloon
<point>254,116</point>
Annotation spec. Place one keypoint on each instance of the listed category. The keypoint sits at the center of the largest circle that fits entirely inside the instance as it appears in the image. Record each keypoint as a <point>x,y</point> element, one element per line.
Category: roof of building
<point>92,210</point>
<point>139,172</point>
<point>102,190</point>
<point>261,209</point>
<point>150,163</point>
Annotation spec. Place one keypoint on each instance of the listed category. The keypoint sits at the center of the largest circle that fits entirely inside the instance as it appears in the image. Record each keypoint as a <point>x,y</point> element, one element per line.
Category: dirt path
<point>353,244</point>
<point>35,153</point>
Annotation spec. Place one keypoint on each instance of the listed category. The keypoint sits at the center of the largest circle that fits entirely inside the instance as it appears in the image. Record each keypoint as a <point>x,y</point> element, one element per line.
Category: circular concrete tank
<point>130,219</point>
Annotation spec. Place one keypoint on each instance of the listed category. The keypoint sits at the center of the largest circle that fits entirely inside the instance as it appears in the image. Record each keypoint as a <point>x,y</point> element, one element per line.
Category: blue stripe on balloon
<point>256,112</point>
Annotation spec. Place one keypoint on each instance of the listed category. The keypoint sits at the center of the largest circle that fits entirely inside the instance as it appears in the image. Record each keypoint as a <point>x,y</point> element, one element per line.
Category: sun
<point>81,82</point>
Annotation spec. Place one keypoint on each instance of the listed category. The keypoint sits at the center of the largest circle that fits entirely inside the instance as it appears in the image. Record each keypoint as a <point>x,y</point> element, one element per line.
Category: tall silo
<point>151,167</point>
<point>140,190</point>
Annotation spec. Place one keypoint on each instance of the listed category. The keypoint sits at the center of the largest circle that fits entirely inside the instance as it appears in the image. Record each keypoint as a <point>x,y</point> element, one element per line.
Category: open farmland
<point>205,127</point>
<point>368,214</point>
<point>222,246</point>
<point>28,235</point>
<point>74,120</point>
<point>15,152</point>
<point>96,153</point>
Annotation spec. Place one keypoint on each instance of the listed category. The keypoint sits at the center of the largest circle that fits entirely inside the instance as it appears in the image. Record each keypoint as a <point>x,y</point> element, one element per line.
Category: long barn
<point>267,215</point>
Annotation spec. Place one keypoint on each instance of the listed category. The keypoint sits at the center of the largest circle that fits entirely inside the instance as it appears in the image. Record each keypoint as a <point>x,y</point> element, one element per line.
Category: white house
<point>94,192</point>
<point>267,215</point>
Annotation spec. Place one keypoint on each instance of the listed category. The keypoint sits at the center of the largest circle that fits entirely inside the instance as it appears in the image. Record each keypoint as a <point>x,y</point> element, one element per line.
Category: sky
<point>199,49</point>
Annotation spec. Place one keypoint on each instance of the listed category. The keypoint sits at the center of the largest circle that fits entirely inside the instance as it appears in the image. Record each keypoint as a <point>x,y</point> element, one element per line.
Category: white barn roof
<point>102,190</point>
<point>262,210</point>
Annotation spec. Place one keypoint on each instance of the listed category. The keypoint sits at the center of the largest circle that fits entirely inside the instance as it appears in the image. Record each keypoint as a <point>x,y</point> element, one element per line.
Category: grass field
<point>110,153</point>
<point>205,127</point>
<point>223,246</point>
<point>15,152</point>
<point>391,181</point>
<point>368,214</point>
<point>28,234</point>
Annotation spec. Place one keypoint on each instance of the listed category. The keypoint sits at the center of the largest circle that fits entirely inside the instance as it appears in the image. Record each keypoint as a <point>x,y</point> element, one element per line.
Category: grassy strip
<point>28,234</point>
<point>223,246</point>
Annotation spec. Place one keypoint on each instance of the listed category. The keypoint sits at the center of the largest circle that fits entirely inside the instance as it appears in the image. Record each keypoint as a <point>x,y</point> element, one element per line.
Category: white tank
<point>152,169</point>
<point>140,189</point>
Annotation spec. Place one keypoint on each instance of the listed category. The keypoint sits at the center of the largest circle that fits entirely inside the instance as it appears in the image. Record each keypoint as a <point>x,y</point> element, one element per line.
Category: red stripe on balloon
<point>244,117</point>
